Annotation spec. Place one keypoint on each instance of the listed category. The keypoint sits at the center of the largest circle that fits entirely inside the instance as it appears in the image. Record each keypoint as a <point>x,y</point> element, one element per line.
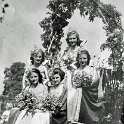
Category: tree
<point>13,80</point>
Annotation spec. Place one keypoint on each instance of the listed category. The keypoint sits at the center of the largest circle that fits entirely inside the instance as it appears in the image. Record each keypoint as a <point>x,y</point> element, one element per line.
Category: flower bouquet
<point>26,100</point>
<point>67,61</point>
<point>51,103</point>
<point>81,78</point>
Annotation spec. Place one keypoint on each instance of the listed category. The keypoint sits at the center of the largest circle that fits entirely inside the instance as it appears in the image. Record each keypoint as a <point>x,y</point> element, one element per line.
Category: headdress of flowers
<point>34,51</point>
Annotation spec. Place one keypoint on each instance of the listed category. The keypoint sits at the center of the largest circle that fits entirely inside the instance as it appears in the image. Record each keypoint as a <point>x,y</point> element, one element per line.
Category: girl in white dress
<point>39,90</point>
<point>69,56</point>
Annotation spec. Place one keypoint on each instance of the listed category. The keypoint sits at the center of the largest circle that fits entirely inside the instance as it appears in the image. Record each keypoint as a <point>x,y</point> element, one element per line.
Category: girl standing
<point>83,105</point>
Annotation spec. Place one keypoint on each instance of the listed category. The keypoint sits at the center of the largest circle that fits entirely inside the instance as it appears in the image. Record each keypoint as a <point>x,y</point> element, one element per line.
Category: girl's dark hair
<point>37,72</point>
<point>77,36</point>
<point>78,57</point>
<point>59,72</point>
<point>34,53</point>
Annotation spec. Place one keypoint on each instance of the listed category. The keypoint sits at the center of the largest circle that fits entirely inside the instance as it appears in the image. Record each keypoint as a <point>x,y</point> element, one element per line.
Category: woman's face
<point>38,58</point>
<point>83,60</point>
<point>72,40</point>
<point>56,79</point>
<point>34,78</point>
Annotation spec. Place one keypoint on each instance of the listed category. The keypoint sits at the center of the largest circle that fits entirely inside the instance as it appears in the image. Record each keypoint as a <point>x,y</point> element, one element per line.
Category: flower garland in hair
<point>34,51</point>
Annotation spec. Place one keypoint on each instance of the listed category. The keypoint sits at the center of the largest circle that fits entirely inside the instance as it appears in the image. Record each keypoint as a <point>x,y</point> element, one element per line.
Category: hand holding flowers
<point>81,79</point>
<point>26,100</point>
<point>51,103</point>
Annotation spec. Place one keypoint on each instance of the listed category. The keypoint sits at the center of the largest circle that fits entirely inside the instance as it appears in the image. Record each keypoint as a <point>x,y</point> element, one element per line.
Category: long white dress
<point>39,117</point>
<point>74,98</point>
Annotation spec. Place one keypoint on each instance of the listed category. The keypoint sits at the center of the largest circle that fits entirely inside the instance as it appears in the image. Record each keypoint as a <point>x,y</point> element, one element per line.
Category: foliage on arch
<point>62,10</point>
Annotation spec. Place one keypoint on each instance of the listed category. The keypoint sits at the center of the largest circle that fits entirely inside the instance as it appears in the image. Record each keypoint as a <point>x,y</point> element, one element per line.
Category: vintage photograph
<point>61,62</point>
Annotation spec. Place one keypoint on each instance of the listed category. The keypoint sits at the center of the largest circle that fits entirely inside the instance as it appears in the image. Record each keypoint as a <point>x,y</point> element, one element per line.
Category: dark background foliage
<point>12,83</point>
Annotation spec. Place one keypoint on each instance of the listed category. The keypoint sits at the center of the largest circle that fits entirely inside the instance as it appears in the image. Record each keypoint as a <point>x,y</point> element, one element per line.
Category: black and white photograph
<point>61,62</point>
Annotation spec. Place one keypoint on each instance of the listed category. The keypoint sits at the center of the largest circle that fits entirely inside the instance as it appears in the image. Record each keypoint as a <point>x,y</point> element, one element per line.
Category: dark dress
<point>60,117</point>
<point>91,110</point>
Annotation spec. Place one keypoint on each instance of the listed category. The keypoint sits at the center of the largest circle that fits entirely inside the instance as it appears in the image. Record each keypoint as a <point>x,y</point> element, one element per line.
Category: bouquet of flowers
<point>67,60</point>
<point>81,78</point>
<point>26,100</point>
<point>51,103</point>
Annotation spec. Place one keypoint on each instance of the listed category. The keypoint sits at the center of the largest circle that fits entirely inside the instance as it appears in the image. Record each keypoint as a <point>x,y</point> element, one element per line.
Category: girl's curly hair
<point>77,36</point>
<point>34,53</point>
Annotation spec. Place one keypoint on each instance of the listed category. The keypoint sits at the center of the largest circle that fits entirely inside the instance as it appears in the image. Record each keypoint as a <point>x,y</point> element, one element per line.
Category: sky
<point>20,30</point>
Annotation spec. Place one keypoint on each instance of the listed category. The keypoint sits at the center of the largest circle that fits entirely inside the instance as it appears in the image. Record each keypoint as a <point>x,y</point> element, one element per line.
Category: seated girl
<point>31,112</point>
<point>58,89</point>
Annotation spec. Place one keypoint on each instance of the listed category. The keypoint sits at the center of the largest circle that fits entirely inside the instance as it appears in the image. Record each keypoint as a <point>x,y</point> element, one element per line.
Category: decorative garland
<point>62,10</point>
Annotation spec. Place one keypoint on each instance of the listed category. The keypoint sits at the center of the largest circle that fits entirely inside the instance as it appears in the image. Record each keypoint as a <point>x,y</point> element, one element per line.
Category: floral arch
<point>62,10</point>
<point>59,13</point>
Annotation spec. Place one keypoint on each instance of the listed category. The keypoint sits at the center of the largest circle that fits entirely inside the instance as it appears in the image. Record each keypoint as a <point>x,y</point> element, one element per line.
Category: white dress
<point>73,99</point>
<point>39,117</point>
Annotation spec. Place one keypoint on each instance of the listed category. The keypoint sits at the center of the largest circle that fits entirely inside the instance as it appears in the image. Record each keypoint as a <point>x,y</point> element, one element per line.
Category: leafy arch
<point>62,10</point>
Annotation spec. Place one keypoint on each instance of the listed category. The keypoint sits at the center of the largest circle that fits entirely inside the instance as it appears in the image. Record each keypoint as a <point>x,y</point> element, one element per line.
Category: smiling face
<point>56,79</point>
<point>34,78</point>
<point>72,40</point>
<point>83,59</point>
<point>38,58</point>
